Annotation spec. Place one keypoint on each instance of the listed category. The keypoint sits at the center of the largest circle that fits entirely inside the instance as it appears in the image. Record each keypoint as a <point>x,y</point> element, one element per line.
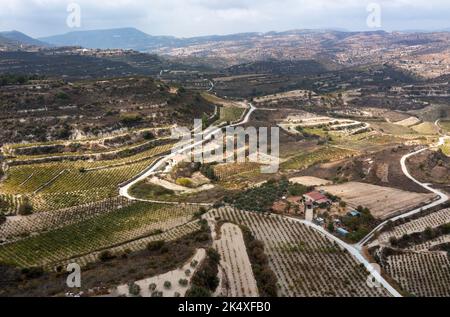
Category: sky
<point>187,18</point>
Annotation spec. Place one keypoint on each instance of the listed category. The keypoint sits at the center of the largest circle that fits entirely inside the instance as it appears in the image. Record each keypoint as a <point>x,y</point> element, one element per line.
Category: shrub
<point>155,245</point>
<point>130,118</point>
<point>134,289</point>
<point>62,96</point>
<point>183,282</point>
<point>185,182</point>
<point>25,208</point>
<point>33,272</point>
<point>198,291</point>
<point>106,256</point>
<point>167,285</point>
<point>152,287</point>
<point>157,294</point>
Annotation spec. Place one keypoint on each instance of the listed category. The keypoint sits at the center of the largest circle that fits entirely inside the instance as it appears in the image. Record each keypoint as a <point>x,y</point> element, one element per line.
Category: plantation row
<point>10,204</point>
<point>133,246</point>
<point>16,228</point>
<point>229,170</point>
<point>28,178</point>
<point>421,274</point>
<point>323,155</point>
<point>235,262</point>
<point>305,262</point>
<point>430,244</point>
<point>104,231</point>
<point>433,220</point>
<point>54,186</point>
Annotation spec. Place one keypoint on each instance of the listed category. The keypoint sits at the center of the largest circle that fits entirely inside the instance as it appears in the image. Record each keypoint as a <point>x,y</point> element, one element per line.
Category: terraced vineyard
<point>19,227</point>
<point>104,231</point>
<point>132,246</point>
<point>305,262</point>
<point>56,185</point>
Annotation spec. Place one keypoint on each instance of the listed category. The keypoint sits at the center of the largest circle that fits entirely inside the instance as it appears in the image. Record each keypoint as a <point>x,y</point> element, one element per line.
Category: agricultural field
<point>383,202</point>
<point>421,274</point>
<point>426,128</point>
<point>231,114</point>
<point>433,220</point>
<point>322,155</point>
<point>230,170</point>
<point>310,181</point>
<point>171,284</point>
<point>306,263</point>
<point>445,124</point>
<point>15,228</point>
<point>237,278</point>
<point>104,231</point>
<point>57,185</point>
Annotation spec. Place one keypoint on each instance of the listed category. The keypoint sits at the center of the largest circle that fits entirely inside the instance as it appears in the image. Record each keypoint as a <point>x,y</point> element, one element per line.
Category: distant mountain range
<point>131,38</point>
<point>125,38</point>
<point>134,39</point>
<point>17,38</point>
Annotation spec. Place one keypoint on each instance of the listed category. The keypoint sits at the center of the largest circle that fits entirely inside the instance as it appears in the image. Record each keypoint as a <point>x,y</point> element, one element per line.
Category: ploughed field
<point>383,202</point>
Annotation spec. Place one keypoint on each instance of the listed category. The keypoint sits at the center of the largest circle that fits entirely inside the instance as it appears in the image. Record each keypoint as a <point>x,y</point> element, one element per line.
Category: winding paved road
<point>353,250</point>
<point>442,196</point>
<point>356,254</point>
<point>161,163</point>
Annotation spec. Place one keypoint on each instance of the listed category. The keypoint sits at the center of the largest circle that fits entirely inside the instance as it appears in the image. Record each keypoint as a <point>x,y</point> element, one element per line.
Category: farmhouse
<point>317,198</point>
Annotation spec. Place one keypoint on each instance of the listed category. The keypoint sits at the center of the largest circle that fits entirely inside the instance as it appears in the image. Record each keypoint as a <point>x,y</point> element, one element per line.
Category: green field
<point>148,191</point>
<point>231,114</point>
<point>101,232</point>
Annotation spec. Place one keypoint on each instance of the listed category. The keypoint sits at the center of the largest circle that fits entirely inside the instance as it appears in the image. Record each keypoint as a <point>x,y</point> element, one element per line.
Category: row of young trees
<point>205,280</point>
<point>265,277</point>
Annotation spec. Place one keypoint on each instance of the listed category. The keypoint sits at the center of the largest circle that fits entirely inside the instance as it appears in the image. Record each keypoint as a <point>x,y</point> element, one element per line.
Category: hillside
<point>41,110</point>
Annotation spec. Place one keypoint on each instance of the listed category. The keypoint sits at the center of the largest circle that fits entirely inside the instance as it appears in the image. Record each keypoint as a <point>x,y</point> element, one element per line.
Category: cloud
<point>201,17</point>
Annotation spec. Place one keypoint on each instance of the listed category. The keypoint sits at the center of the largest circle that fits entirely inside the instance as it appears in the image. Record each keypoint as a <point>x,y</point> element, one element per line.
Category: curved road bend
<point>124,190</point>
<point>356,254</point>
<point>442,196</point>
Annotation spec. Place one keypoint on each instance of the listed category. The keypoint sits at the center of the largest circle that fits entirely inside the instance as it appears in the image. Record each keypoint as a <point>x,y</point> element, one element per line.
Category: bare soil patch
<point>383,202</point>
